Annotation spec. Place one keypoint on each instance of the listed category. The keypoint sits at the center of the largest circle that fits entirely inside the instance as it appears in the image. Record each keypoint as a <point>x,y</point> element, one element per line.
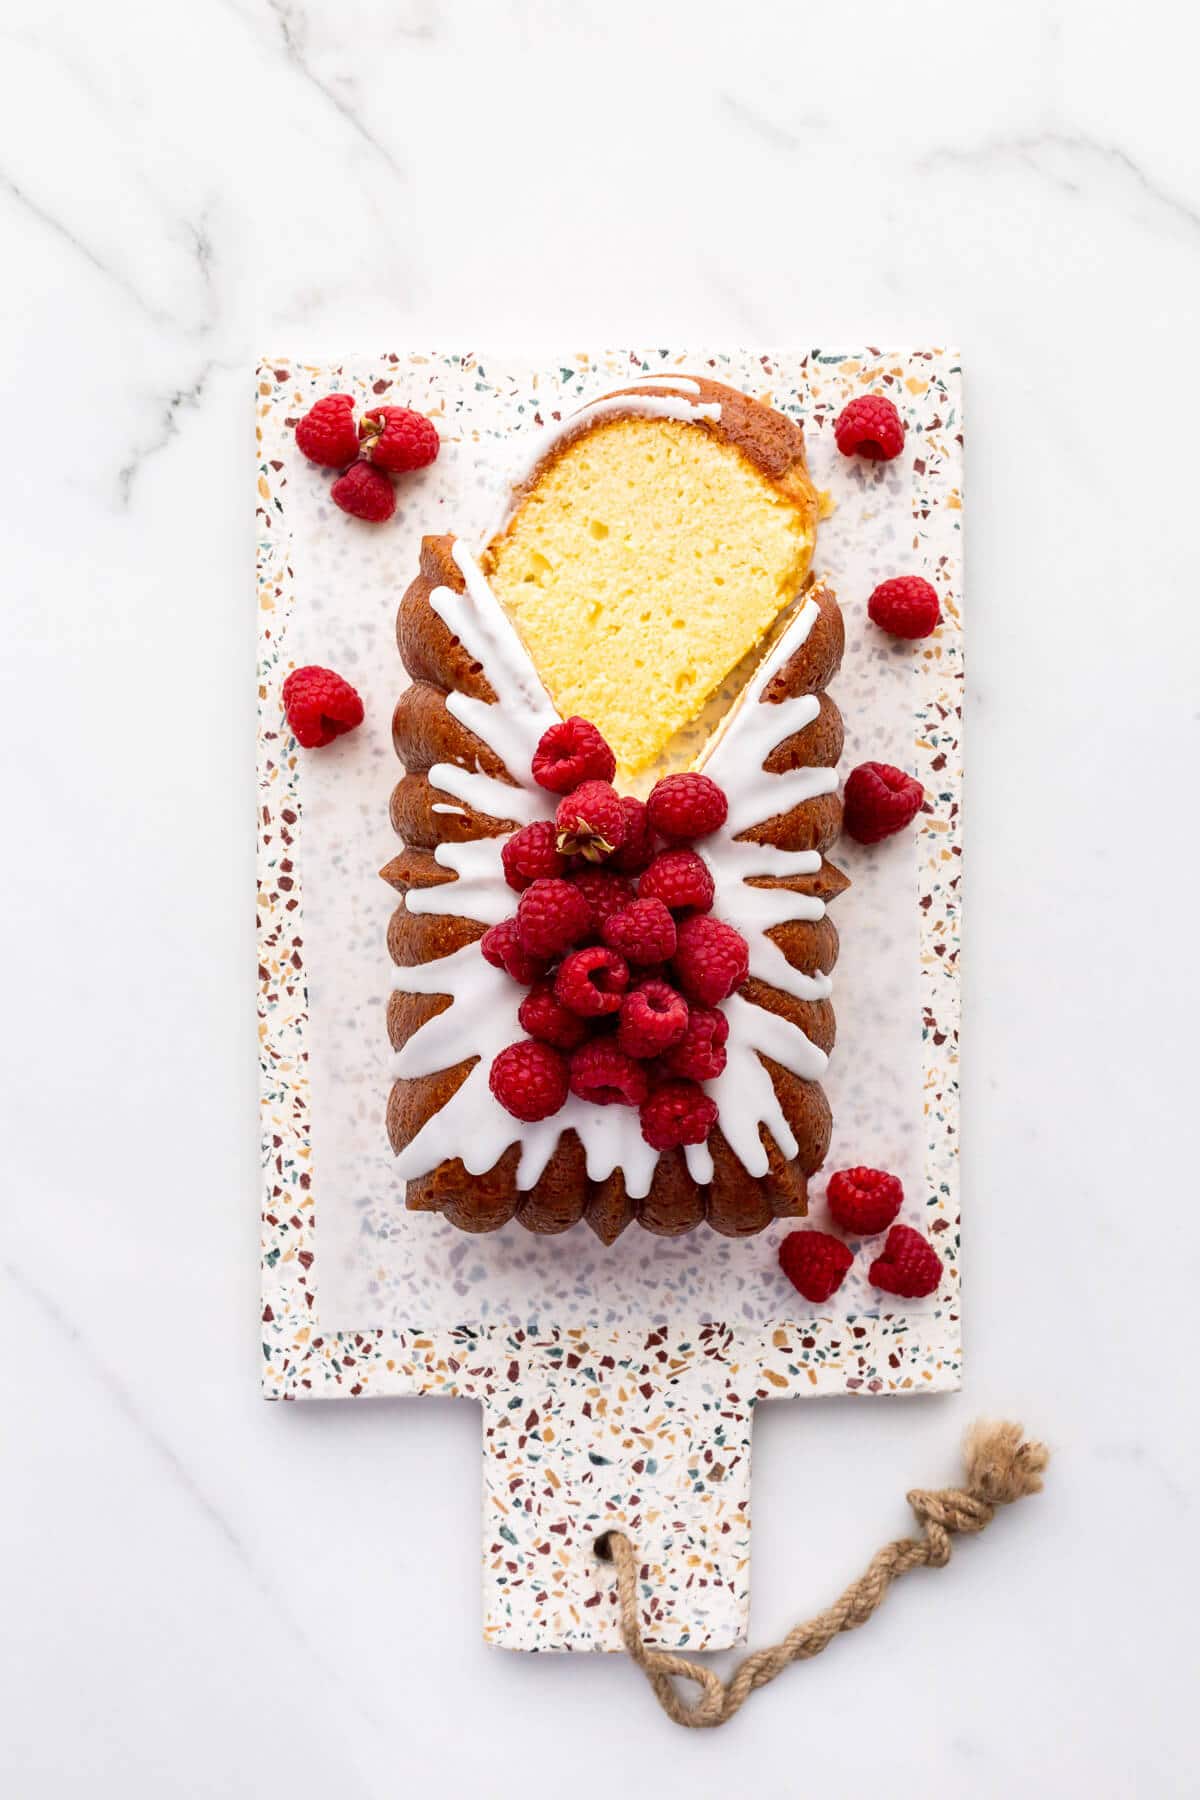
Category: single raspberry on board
<point>711,959</point>
<point>365,492</point>
<point>592,982</point>
<point>681,880</point>
<point>604,891</point>
<point>643,932</point>
<point>686,806</point>
<point>570,752</point>
<point>548,1019</point>
<point>531,853</point>
<point>677,1112</point>
<point>653,1018</point>
<point>907,606</point>
<point>501,947</point>
<point>879,800</point>
<point>529,1080</point>
<point>639,844</point>
<point>607,1076</point>
<point>398,439</point>
<point>908,1264</point>
<point>327,433</point>
<point>590,822</point>
<point>700,1053</point>
<point>320,705</point>
<point>864,1201</point>
<point>870,427</point>
<point>815,1263</point>
<point>551,916</point>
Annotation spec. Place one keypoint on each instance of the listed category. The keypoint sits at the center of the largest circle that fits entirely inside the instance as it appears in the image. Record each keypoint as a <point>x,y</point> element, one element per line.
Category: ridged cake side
<point>730,1198</point>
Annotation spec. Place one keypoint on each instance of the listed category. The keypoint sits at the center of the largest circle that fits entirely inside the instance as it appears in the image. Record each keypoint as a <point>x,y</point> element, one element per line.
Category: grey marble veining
<point>205,1596</point>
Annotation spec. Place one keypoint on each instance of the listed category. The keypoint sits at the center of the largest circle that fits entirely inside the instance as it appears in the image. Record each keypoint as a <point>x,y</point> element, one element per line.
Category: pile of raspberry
<point>387,441</point>
<point>613,938</point>
<point>863,1202</point>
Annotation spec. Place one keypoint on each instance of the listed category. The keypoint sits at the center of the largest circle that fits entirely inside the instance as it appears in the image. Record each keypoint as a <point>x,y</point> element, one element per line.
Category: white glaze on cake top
<point>482,1017</point>
<point>675,406</point>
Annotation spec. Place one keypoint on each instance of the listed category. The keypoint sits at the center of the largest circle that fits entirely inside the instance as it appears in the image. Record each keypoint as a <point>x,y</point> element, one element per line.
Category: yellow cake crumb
<point>646,561</point>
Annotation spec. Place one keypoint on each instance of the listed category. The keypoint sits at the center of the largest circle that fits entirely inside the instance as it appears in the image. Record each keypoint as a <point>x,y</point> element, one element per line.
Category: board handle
<point>584,1436</point>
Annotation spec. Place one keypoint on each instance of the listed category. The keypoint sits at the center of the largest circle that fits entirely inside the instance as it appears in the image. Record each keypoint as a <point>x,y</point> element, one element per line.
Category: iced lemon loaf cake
<point>606,1009</point>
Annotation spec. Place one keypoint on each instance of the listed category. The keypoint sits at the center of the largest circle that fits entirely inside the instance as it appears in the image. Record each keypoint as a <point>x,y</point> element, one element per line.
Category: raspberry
<point>638,847</point>
<point>814,1262</point>
<point>677,1112</point>
<point>909,1265</point>
<point>546,1018</point>
<point>551,916</point>
<point>864,1201</point>
<point>711,959</point>
<point>590,822</point>
<point>604,892</point>
<point>570,752</point>
<point>320,705</point>
<point>366,492</point>
<point>907,606</point>
<point>327,433</point>
<point>657,971</point>
<point>879,800</point>
<point>501,947</point>
<point>643,932</point>
<point>700,1053</point>
<point>529,1080</point>
<point>530,854</point>
<point>870,427</point>
<point>653,1017</point>
<point>681,880</point>
<point>398,439</point>
<point>686,806</point>
<point>591,982</point>
<point>607,1076</point>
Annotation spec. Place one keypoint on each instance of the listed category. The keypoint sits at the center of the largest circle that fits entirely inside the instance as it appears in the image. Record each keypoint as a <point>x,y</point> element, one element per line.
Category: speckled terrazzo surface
<point>617,1385</point>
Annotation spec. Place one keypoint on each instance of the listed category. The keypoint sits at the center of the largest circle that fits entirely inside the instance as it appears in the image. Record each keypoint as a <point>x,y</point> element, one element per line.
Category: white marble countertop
<point>203,1595</point>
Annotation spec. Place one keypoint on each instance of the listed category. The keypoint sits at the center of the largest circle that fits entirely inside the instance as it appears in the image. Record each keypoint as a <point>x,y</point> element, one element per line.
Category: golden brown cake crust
<point>428,648</point>
<point>414,818</point>
<point>425,732</point>
<point>770,442</point>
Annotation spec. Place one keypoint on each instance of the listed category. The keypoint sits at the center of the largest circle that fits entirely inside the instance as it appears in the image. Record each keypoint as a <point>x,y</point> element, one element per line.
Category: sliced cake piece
<point>658,536</point>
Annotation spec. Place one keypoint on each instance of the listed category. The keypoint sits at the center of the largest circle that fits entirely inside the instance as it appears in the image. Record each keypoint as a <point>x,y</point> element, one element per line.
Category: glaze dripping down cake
<point>652,545</point>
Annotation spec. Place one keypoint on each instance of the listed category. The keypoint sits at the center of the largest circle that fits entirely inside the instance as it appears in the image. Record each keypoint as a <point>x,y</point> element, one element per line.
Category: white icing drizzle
<point>479,893</point>
<point>683,384</point>
<point>736,755</point>
<point>512,725</point>
<point>611,1139</point>
<point>643,406</point>
<point>484,794</point>
<point>442,807</point>
<point>482,1018</point>
<point>743,1092</point>
<point>755,910</point>
<point>698,1158</point>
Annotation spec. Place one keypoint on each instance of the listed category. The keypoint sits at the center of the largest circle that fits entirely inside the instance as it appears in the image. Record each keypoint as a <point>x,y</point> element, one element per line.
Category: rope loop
<point>1000,1467</point>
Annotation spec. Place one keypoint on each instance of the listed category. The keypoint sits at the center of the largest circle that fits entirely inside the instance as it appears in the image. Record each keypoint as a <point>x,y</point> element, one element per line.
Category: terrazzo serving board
<point>617,1386</point>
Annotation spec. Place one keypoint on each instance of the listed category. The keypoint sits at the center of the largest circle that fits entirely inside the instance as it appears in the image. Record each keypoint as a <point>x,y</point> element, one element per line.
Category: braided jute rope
<point>1000,1468</point>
